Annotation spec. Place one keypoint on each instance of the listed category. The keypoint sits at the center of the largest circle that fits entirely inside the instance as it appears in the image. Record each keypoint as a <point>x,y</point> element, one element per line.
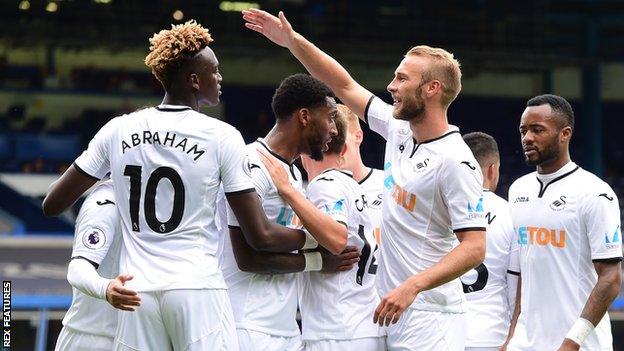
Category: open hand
<point>339,263</point>
<point>278,30</point>
<point>394,304</point>
<point>121,297</point>
<point>276,171</point>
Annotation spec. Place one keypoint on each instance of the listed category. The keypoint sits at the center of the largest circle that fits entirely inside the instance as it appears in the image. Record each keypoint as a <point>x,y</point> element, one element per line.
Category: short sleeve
<point>600,215</point>
<point>326,194</point>
<point>378,115</point>
<point>95,160</point>
<point>260,180</point>
<point>97,225</point>
<point>461,186</point>
<point>234,163</point>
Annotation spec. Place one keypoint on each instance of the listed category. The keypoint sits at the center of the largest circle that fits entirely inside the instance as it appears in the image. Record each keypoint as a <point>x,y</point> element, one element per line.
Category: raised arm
<point>318,63</point>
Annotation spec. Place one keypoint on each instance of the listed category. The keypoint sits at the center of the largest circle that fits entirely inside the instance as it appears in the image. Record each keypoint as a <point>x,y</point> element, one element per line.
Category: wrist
<point>415,284</point>
<point>313,261</point>
<point>579,332</point>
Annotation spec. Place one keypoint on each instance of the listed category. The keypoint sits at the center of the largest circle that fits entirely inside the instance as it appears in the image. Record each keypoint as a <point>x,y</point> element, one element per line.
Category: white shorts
<point>427,331</point>
<point>180,320</point>
<point>258,341</point>
<point>72,340</point>
<point>482,348</point>
<point>363,344</point>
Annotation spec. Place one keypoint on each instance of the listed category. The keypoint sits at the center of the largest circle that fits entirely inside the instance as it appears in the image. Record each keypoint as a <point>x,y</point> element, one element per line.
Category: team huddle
<point>195,241</point>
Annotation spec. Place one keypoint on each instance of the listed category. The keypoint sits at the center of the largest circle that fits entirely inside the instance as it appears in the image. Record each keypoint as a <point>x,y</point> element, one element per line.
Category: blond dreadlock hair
<point>170,47</point>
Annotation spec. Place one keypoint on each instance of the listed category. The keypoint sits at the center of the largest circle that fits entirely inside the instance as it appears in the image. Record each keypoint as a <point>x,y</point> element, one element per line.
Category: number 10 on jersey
<point>149,203</point>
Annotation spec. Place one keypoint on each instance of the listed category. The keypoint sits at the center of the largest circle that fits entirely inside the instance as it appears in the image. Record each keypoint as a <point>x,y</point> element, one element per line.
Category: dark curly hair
<point>171,48</point>
<point>296,92</point>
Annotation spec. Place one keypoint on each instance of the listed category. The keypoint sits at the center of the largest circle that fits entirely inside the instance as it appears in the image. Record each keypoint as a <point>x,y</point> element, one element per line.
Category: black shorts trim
<point>86,259</point>
<point>81,171</point>
<point>367,107</point>
<point>233,227</point>
<point>513,273</point>
<point>608,260</point>
<point>245,191</point>
<point>460,230</point>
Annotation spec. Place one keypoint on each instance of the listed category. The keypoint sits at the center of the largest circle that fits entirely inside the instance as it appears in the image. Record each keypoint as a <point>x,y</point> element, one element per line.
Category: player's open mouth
<point>396,101</point>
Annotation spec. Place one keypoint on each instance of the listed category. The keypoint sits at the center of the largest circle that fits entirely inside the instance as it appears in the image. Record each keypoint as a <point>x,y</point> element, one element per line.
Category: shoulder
<point>593,188</point>
<point>523,182</point>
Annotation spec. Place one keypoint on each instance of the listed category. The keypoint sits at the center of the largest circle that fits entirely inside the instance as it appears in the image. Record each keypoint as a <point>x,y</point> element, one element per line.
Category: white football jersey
<point>340,306</point>
<point>373,185</point>
<point>98,239</point>
<point>431,190</point>
<point>564,221</point>
<point>167,164</point>
<point>485,286</point>
<point>264,302</point>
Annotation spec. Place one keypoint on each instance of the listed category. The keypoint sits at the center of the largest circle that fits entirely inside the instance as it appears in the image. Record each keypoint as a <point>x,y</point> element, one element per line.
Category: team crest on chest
<point>559,204</point>
<point>422,165</point>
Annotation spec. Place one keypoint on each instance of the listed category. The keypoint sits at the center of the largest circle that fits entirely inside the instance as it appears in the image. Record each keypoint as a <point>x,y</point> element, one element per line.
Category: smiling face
<point>407,89</point>
<point>320,128</point>
<point>543,135</point>
<point>205,77</point>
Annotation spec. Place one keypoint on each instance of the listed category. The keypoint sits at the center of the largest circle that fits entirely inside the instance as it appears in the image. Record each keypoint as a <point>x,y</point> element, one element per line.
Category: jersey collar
<point>277,156</point>
<point>545,180</point>
<point>172,108</point>
<point>343,171</point>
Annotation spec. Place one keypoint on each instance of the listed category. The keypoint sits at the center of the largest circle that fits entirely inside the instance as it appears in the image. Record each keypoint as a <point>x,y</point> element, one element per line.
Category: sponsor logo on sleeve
<point>476,211</point>
<point>94,239</point>
<point>521,199</point>
<point>614,240</point>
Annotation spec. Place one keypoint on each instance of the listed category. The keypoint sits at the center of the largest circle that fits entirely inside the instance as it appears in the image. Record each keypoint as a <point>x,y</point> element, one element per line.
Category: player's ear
<point>194,80</point>
<point>343,151</point>
<point>566,134</point>
<point>433,88</point>
<point>304,116</point>
<point>359,136</point>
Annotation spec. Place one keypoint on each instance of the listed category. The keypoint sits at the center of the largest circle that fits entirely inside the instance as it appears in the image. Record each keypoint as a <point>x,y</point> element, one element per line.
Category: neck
<point>553,166</point>
<point>434,124</point>
<point>358,169</point>
<point>187,100</point>
<point>315,168</point>
<point>283,141</point>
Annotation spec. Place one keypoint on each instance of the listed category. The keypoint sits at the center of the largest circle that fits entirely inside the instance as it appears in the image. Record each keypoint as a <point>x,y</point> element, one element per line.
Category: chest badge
<point>558,204</point>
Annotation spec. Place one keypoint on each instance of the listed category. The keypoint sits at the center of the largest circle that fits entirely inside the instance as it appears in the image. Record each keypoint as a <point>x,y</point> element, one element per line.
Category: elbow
<point>260,243</point>
<point>245,266</point>
<point>49,209</point>
<point>478,253</point>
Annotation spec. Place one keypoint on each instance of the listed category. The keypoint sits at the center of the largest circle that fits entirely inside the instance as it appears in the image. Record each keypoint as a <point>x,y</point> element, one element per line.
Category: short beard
<point>316,143</point>
<point>551,152</point>
<point>413,109</point>
<point>411,113</point>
